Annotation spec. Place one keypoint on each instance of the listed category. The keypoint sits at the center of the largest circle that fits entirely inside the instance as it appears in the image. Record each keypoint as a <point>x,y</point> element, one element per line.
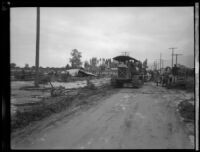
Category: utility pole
<point>156,65</point>
<point>177,57</point>
<point>37,47</point>
<point>160,62</point>
<point>125,53</point>
<point>163,61</point>
<point>172,54</point>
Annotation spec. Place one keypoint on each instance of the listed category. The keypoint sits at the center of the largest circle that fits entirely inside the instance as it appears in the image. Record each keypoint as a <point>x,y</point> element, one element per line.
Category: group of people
<point>167,77</point>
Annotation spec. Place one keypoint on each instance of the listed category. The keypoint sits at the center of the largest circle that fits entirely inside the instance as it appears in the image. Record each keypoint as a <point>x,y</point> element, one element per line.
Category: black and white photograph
<point>102,77</point>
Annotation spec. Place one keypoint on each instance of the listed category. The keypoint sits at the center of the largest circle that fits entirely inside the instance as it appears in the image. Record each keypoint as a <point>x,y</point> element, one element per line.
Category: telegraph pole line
<point>125,53</point>
<point>37,47</point>
<point>155,65</point>
<point>160,62</point>
<point>172,54</point>
<point>177,57</point>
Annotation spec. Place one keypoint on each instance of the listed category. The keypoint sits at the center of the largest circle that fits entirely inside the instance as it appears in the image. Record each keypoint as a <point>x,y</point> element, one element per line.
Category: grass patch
<point>38,112</point>
<point>49,106</point>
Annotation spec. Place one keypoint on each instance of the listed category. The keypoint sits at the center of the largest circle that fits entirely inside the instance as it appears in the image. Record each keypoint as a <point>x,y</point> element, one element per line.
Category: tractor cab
<point>128,71</point>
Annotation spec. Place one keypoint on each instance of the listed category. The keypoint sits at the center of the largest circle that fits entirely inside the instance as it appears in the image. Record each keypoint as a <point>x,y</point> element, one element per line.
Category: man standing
<point>175,72</point>
<point>157,77</point>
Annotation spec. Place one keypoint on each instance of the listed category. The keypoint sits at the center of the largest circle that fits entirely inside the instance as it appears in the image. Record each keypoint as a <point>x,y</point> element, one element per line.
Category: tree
<point>76,59</point>
<point>12,65</point>
<point>109,63</point>
<point>26,66</point>
<point>140,66</point>
<point>86,65</point>
<point>113,64</point>
<point>102,67</point>
<point>67,67</point>
<point>144,65</point>
<point>93,62</point>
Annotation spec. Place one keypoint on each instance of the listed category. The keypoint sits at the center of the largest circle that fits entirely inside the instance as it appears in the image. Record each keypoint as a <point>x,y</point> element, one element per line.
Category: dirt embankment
<point>76,98</point>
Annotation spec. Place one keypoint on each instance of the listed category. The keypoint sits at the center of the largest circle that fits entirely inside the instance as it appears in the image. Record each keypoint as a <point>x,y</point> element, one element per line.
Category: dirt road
<point>142,118</point>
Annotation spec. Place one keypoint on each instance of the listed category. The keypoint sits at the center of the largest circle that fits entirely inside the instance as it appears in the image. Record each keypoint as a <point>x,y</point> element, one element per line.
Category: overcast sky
<point>102,32</point>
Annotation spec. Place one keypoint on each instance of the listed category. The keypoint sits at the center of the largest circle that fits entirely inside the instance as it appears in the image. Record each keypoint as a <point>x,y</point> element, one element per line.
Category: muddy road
<point>144,118</point>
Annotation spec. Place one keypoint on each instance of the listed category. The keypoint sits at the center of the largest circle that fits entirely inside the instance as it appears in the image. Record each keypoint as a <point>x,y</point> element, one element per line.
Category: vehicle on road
<point>129,72</point>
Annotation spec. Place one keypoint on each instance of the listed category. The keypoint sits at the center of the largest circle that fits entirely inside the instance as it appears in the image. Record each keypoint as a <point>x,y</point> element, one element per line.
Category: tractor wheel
<point>114,83</point>
<point>119,85</point>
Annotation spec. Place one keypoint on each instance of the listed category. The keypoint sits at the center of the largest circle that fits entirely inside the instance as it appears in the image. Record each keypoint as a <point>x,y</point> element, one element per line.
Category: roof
<point>87,73</point>
<point>124,58</point>
<point>74,72</point>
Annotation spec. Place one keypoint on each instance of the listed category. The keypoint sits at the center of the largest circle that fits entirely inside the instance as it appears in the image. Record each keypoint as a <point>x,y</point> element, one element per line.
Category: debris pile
<point>186,109</point>
<point>59,91</point>
<point>187,113</point>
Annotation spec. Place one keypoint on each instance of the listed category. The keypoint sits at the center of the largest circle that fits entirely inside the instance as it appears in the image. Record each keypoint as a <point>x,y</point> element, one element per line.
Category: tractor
<point>129,73</point>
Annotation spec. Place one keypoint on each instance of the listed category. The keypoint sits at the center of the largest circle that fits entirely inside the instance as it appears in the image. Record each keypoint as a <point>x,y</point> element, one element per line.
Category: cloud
<point>100,32</point>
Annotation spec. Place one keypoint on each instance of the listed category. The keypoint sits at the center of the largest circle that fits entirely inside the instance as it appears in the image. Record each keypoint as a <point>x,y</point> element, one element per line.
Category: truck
<point>129,73</point>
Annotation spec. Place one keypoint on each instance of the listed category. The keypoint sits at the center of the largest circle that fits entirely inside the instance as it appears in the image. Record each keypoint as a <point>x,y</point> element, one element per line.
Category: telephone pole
<point>160,62</point>
<point>125,53</point>
<point>156,63</point>
<point>177,57</point>
<point>172,54</point>
<point>37,47</point>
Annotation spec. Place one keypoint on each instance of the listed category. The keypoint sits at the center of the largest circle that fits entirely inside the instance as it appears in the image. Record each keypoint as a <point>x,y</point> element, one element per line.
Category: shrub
<point>44,80</point>
<point>64,77</point>
<point>90,85</point>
